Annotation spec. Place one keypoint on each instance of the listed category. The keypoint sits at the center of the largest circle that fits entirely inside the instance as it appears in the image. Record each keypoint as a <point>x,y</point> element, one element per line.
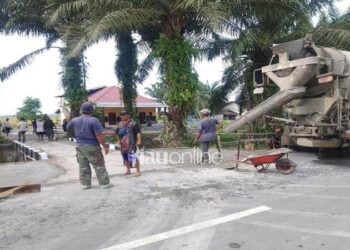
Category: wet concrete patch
<point>13,174</point>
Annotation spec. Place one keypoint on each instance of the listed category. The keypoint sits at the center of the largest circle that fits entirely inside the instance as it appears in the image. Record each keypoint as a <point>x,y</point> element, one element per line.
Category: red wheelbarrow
<point>263,161</point>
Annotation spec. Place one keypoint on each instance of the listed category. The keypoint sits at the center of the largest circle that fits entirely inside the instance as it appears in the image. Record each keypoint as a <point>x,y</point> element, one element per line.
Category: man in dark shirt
<point>206,132</point>
<point>48,127</point>
<point>89,135</point>
<point>129,137</point>
<point>34,126</point>
<point>64,125</point>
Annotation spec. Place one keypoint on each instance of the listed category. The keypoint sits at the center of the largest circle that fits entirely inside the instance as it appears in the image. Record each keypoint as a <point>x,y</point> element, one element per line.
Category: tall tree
<point>169,28</point>
<point>250,48</point>
<point>180,21</point>
<point>157,90</point>
<point>118,24</point>
<point>30,109</point>
<point>165,24</point>
<point>181,82</point>
<point>208,97</point>
<point>29,17</point>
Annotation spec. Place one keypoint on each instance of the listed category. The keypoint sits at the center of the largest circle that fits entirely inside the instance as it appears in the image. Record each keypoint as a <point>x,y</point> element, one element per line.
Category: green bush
<point>4,140</point>
<point>188,140</point>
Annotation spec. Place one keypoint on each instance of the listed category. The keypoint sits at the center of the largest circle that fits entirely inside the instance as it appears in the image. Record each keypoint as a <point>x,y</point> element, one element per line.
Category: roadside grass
<point>227,141</point>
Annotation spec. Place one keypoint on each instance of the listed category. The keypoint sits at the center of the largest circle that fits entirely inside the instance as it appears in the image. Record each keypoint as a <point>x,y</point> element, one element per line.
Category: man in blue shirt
<point>89,135</point>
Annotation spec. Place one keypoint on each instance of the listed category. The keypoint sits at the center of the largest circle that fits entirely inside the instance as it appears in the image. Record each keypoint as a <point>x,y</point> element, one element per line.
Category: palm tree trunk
<point>72,81</point>
<point>175,54</point>
<point>174,129</point>
<point>125,69</point>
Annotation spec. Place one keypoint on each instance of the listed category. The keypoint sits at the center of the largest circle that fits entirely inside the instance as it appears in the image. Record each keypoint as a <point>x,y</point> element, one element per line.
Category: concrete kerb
<point>32,153</point>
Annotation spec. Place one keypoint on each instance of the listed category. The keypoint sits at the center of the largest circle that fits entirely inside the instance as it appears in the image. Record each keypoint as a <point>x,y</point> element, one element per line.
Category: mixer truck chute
<point>313,88</point>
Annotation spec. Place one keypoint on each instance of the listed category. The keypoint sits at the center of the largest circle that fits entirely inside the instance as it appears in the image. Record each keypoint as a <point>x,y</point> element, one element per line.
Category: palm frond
<point>315,6</point>
<point>158,91</point>
<point>145,67</point>
<point>185,4</point>
<point>143,46</point>
<point>231,79</point>
<point>83,34</point>
<point>217,46</point>
<point>333,12</point>
<point>76,40</point>
<point>7,72</point>
<point>73,8</point>
<point>26,17</point>
<point>335,33</point>
<point>51,39</point>
<point>333,37</point>
<point>212,15</point>
<point>123,20</point>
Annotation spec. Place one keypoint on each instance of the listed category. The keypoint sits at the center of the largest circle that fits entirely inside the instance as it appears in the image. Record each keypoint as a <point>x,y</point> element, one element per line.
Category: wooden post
<point>238,154</point>
<point>238,150</point>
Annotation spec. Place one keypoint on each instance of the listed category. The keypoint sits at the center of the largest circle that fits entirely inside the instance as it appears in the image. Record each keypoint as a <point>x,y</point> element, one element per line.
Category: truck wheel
<point>285,166</point>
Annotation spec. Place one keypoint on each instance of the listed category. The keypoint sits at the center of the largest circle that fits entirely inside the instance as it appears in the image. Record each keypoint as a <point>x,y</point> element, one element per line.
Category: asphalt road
<point>308,210</point>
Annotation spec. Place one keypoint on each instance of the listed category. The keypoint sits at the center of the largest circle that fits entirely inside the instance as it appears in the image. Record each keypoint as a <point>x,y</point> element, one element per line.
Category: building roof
<point>88,91</point>
<point>109,97</point>
<point>230,109</point>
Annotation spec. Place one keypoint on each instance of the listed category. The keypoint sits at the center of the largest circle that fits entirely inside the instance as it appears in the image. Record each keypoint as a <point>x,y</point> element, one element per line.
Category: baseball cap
<point>87,107</point>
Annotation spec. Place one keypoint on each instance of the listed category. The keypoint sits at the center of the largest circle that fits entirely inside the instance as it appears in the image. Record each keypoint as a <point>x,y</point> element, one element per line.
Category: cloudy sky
<point>41,79</point>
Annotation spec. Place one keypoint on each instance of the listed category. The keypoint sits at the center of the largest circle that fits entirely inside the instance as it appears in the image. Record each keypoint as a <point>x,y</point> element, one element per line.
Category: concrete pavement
<point>309,209</point>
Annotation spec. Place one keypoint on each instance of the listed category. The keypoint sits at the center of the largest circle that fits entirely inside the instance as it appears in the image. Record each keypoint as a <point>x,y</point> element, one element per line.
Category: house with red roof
<point>110,100</point>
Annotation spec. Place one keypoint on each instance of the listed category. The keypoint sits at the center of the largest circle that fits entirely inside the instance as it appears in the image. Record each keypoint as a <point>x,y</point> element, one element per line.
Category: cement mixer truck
<point>314,86</point>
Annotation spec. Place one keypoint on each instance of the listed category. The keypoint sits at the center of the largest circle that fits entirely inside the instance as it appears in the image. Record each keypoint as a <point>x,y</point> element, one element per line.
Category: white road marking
<point>187,229</point>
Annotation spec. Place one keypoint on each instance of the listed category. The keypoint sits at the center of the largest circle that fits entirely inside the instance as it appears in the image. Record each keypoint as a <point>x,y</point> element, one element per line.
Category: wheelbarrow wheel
<point>285,166</point>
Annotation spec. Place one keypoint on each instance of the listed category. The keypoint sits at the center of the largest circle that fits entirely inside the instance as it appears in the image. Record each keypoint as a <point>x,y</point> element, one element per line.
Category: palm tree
<point>208,96</point>
<point>183,20</point>
<point>164,23</point>
<point>97,24</point>
<point>167,27</point>
<point>25,18</point>
<point>157,91</point>
<point>29,17</point>
<point>250,49</point>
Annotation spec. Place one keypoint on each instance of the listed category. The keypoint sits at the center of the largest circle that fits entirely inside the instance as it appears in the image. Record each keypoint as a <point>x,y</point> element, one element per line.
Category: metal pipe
<point>277,100</point>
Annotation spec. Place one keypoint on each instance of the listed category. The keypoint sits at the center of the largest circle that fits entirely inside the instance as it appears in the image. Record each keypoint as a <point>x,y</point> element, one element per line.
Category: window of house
<point>112,117</point>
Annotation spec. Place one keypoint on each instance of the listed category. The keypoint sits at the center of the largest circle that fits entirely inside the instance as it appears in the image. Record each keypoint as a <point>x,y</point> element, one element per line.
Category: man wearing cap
<point>129,137</point>
<point>89,135</point>
<point>206,132</point>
